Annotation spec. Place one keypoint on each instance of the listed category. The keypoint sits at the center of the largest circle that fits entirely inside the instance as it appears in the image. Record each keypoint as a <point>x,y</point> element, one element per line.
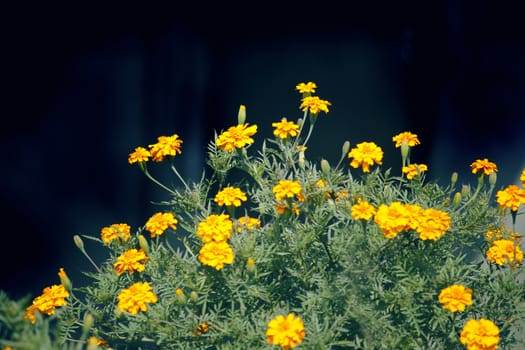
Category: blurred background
<point>84,86</point>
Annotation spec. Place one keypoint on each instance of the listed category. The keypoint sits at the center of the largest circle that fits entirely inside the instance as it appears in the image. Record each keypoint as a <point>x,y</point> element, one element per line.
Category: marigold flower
<point>455,298</point>
<point>236,137</point>
<point>288,189</point>
<point>140,155</point>
<point>392,219</point>
<point>131,260</point>
<point>413,170</point>
<point>511,197</point>
<point>160,222</point>
<point>166,146</point>
<point>136,297</point>
<point>522,177</point>
<point>51,298</point>
<point>483,165</point>
<point>201,328</point>
<point>216,254</point>
<point>408,137</point>
<point>247,223</point>
<point>314,104</point>
<point>285,129</point>
<point>64,279</point>
<point>286,331</point>
<point>283,208</point>
<point>120,231</point>
<point>431,223</point>
<point>97,341</point>
<point>216,227</point>
<point>306,88</point>
<point>504,251</point>
<point>480,334</point>
<point>362,211</point>
<point>365,154</point>
<point>230,196</point>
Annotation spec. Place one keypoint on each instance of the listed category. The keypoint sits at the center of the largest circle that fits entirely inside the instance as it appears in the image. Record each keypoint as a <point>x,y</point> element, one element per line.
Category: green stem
<point>158,183</point>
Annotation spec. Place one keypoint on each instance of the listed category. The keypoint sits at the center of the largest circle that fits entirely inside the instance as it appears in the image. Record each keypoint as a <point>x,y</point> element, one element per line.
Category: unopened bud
<point>325,166</point>
<point>64,279</point>
<point>194,296</point>
<point>453,178</point>
<point>345,148</point>
<point>181,297</point>
<point>457,199</point>
<point>89,321</point>
<point>250,265</point>
<point>405,149</point>
<point>143,244</point>
<point>241,117</point>
<point>78,242</point>
<point>465,190</point>
<point>118,312</point>
<point>300,122</point>
<point>493,177</point>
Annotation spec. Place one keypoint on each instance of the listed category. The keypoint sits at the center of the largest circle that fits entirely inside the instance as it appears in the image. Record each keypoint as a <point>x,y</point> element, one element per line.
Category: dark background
<point>84,85</point>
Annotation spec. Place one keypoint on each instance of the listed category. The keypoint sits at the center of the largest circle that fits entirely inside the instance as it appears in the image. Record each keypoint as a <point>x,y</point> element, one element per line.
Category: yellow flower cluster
<point>484,166</point>
<point>511,197</point>
<point>455,298</point>
<point>314,105</point>
<point>166,147</point>
<point>51,298</point>
<point>236,136</point>
<point>503,251</point>
<point>286,331</point>
<point>285,191</point>
<point>214,232</point>
<point>160,222</point>
<point>285,129</point>
<point>362,211</point>
<point>115,231</point>
<point>136,298</point>
<point>131,260</point>
<point>413,170</point>
<point>247,223</point>
<point>480,334</point>
<point>230,196</point>
<point>366,154</point>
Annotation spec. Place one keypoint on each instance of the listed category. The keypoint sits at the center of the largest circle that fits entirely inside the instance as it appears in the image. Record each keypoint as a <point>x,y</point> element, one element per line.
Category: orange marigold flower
<point>413,170</point>
<point>230,196</point>
<point>51,298</point>
<point>483,165</point>
<point>166,146</point>
<point>431,223</point>
<point>363,211</point>
<point>392,219</point>
<point>314,104</point>
<point>236,137</point>
<point>365,154</point>
<point>408,137</point>
<point>97,341</point>
<point>283,208</point>
<point>120,231</point>
<point>216,227</point>
<point>511,197</point>
<point>288,189</point>
<point>285,129</point>
<point>306,88</point>
<point>480,334</point>
<point>247,223</point>
<point>201,328</point>
<point>160,222</point>
<point>140,155</point>
<point>504,251</point>
<point>286,331</point>
<point>455,298</point>
<point>136,298</point>
<point>131,260</point>
<point>216,254</point>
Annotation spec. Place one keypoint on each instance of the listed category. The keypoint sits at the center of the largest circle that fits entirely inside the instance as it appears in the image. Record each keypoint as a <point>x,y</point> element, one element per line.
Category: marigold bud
<point>250,265</point>
<point>143,244</point>
<point>181,297</point>
<point>89,321</point>
<point>78,242</point>
<point>346,148</point>
<point>405,149</point>
<point>300,122</point>
<point>325,166</point>
<point>493,177</point>
<point>194,296</point>
<point>457,199</point>
<point>465,190</point>
<point>64,279</point>
<point>453,178</point>
<point>241,116</point>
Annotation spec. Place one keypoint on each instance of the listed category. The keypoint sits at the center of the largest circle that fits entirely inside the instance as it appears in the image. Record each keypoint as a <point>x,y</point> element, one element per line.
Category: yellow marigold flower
<point>522,177</point>
<point>392,219</point>
<point>511,197</point>
<point>286,331</point>
<point>51,298</point>
<point>136,297</point>
<point>230,196</point>
<point>483,165</point>
<point>408,137</point>
<point>287,189</point>
<point>362,211</point>
<point>216,254</point>
<point>413,170</point>
<point>131,260</point>
<point>236,137</point>
<point>202,328</point>
<point>314,104</point>
<point>431,223</point>
<point>306,88</point>
<point>247,223</point>
<point>160,222</point>
<point>97,341</point>
<point>283,208</point>
<point>365,154</point>
<point>166,146</point>
<point>480,334</point>
<point>216,227</point>
<point>504,251</point>
<point>120,231</point>
<point>139,155</point>
<point>285,129</point>
<point>455,298</point>
<point>64,279</point>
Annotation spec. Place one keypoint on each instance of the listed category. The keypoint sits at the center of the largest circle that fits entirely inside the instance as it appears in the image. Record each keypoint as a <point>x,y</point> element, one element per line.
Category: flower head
<point>286,331</point>
<point>166,146</point>
<point>362,211</point>
<point>511,197</point>
<point>131,260</point>
<point>287,189</point>
<point>140,155</point>
<point>413,170</point>
<point>216,227</point>
<point>504,251</point>
<point>522,177</point>
<point>247,223</point>
<point>115,231</point>
<point>230,196</point>
<point>314,104</point>
<point>306,88</point>
<point>408,137</point>
<point>216,254</point>
<point>136,297</point>
<point>51,298</point>
<point>285,129</point>
<point>160,222</point>
<point>455,298</point>
<point>236,137</point>
<point>365,155</point>
<point>431,223</point>
<point>480,334</point>
<point>483,165</point>
<point>392,219</point>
